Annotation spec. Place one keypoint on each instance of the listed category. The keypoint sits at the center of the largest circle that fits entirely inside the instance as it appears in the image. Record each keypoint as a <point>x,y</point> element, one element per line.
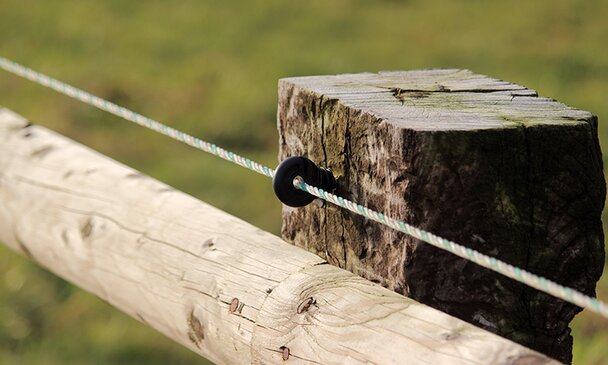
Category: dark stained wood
<point>480,161</point>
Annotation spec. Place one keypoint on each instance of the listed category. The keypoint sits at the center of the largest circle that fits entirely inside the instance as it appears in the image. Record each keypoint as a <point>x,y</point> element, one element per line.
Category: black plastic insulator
<point>295,166</point>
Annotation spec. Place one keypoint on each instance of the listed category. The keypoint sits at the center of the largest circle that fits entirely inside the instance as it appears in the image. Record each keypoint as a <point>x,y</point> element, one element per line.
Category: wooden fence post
<point>217,285</point>
<point>476,160</point>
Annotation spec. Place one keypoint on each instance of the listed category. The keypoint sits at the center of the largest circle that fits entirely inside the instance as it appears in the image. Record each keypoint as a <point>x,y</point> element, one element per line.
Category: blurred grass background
<point>211,68</point>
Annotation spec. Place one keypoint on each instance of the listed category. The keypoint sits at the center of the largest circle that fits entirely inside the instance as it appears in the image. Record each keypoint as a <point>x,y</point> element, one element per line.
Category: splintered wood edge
<point>208,280</point>
<point>439,100</point>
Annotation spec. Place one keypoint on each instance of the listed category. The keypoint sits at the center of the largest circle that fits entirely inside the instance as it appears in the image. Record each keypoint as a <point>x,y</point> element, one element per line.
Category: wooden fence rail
<point>215,284</point>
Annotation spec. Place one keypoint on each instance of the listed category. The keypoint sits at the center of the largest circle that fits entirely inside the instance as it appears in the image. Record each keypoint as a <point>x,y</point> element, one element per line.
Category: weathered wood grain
<point>221,287</point>
<point>480,161</point>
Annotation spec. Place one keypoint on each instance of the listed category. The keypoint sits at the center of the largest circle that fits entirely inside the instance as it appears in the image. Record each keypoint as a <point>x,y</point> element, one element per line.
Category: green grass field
<point>211,69</point>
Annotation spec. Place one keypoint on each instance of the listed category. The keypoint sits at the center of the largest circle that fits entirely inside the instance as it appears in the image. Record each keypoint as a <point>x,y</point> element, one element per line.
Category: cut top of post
<point>441,99</point>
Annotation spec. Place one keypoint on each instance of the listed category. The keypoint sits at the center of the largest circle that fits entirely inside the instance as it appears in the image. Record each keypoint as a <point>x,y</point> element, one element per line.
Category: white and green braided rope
<point>567,294</point>
<point>132,116</point>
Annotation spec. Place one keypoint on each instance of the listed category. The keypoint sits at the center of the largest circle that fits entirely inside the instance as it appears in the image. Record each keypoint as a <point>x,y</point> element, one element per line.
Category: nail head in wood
<point>285,352</point>
<point>234,305</point>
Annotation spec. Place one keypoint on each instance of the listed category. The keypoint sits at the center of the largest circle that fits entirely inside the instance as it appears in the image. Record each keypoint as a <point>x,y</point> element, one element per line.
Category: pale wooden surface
<point>480,161</point>
<point>177,264</point>
<point>439,99</point>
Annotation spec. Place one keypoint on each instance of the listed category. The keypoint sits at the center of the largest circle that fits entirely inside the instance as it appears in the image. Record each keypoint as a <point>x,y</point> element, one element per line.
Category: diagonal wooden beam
<point>208,280</point>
